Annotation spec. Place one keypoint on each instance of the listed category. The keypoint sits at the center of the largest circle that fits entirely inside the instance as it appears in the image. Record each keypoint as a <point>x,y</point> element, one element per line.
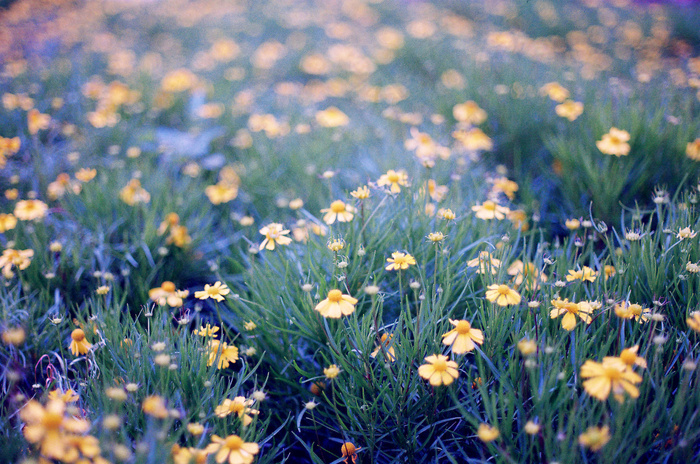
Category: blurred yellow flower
<point>473,139</point>
<point>570,310</point>
<point>68,396</point>
<point>221,192</point>
<point>555,91</point>
<point>630,358</point>
<point>485,263</point>
<point>694,321</point>
<point>385,345</point>
<point>37,121</point>
<point>79,345</point>
<point>394,179</point>
<point>487,433</point>
<point>336,305</point>
<point>439,370</point>
<point>612,375</point>
<point>28,210</point>
<point>625,310</point>
<point>490,210</point>
<point>274,234</point>
<point>361,193</point>
<point>614,142</point>
<point>692,150</point>
<point>85,174</point>
<point>225,353</point>
<point>154,406</point>
<point>569,110</point>
<point>239,406</point>
<point>133,193</point>
<point>469,112</point>
<point>331,372</point>
<point>14,336</point>
<point>332,117</point>
<point>19,259</point>
<point>594,438</point>
<point>527,347</point>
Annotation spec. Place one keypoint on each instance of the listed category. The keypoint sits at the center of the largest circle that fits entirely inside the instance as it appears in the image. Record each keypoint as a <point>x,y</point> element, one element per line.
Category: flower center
<point>489,206</point>
<point>233,442</point>
<point>337,206</point>
<point>52,420</point>
<point>463,327</point>
<point>613,373</point>
<point>393,177</point>
<point>571,307</point>
<point>440,365</point>
<point>635,309</point>
<point>335,295</point>
<point>503,289</point>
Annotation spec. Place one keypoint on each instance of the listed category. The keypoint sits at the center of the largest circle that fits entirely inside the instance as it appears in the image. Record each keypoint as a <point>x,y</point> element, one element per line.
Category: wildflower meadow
<point>349,231</point>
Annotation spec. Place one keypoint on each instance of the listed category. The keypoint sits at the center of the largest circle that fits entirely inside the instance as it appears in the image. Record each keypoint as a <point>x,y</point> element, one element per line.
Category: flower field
<point>349,231</point>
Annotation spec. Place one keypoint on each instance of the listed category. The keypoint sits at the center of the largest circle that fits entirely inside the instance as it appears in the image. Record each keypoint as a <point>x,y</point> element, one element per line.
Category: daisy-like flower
<point>505,186</point>
<point>694,321</point>
<point>19,259</point>
<point>336,305</point>
<point>473,139</point>
<point>526,272</point>
<point>686,232</point>
<point>37,121</point>
<point>85,175</point>
<point>207,331</point>
<point>614,143</point>
<point>338,211</point>
<point>239,406</point>
<point>79,345</point>
<point>502,295</point>
<point>399,261</point>
<point>487,433</point>
<point>394,179</point>
<point>7,222</point>
<point>625,310</point>
<point>439,370</point>
<point>232,449</point>
<point>612,375</point>
<point>469,112</point>
<point>361,193</point>
<point>485,263</point>
<point>569,109</point>
<point>154,406</point>
<point>570,310</point>
<point>221,192</point>
<point>133,193</point>
<point>225,353</point>
<point>50,427</point>
<point>29,210</point>
<point>594,438</point>
<point>182,455</point>
<point>490,210</point>
<point>386,346</point>
<point>555,91</point>
<point>463,337</point>
<point>67,397</point>
<point>586,273</point>
<point>630,358</point>
<point>216,291</point>
<point>275,234</point>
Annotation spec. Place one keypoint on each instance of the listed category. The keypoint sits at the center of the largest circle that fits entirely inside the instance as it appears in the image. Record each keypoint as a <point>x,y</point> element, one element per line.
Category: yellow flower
<point>240,406</point>
<point>683,233</point>
<point>527,347</point>
<point>569,110</point>
<point>188,455</point>
<point>7,222</point>
<point>439,370</point>
<point>462,337</point>
<point>436,237</point>
<point>692,150</point>
<point>570,310</point>
<point>207,331</point>
<point>485,262</point>
<point>331,371</point>
<point>20,259</point>
<point>474,139</point>
<point>625,310</point>
<point>226,354</point>
<point>614,142</point>
<point>490,210</point>
<point>469,112</point>
<point>28,210</point>
<point>50,427</point>
<point>532,428</point>
<point>154,406</point>
<point>612,375</point>
<point>399,261</point>
<point>332,117</point>
<point>694,321</point>
<point>195,428</point>
<point>394,179</point>
<point>222,192</point>
<point>37,121</point>
<point>336,305</point>
<point>572,224</point>
<point>178,80</point>
<point>133,193</point>
<point>506,186</point>
<point>595,438</point>
<point>274,234</point>
<point>13,336</point>
<point>446,214</point>
<point>79,345</point>
<point>67,397</point>
<point>361,193</point>
<point>630,358</point>
<point>555,91</point>
<point>338,211</point>
<point>216,291</point>
<point>486,433</point>
<point>386,346</point>
<point>85,175</point>
<point>586,273</point>
<point>102,290</point>
<point>232,449</point>
<point>526,272</point>
<point>502,295</point>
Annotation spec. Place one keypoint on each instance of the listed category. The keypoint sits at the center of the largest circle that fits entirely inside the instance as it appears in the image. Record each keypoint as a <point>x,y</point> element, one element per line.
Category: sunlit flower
<point>338,211</point>
<point>502,295</point>
<point>612,375</point>
<point>485,263</point>
<point>275,234</point>
<point>505,186</point>
<point>133,193</point>
<point>239,406</point>
<point>85,175</point>
<point>490,210</point>
<point>232,449</point>
<point>487,433</point>
<point>332,117</point>
<point>614,143</point>
<point>683,233</point>
<point>386,346</point>
<point>439,370</point>
<point>586,273</point>
<point>399,261</point>
<point>28,210</point>
<point>17,259</point>
<point>625,310</point>
<point>463,337</point>
<point>469,112</point>
<point>569,110</point>
<point>79,345</point>
<point>361,193</point>
<point>69,396</point>
<point>221,192</point>
<point>37,121</point>
<point>154,406</point>
<point>225,353</point>
<point>51,428</point>
<point>207,331</point>
<point>570,310</point>
<point>394,179</point>
<point>527,347</point>
<point>216,291</point>
<point>7,222</point>
<point>336,305</point>
<point>594,438</point>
